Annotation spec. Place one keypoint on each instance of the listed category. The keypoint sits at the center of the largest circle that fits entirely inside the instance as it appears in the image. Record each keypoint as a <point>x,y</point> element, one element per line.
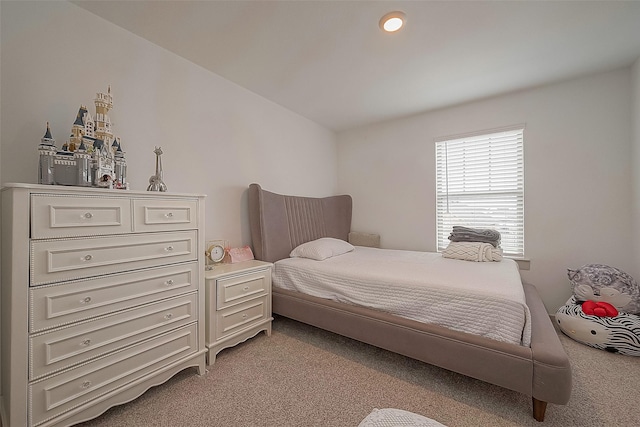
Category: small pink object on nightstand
<point>240,254</point>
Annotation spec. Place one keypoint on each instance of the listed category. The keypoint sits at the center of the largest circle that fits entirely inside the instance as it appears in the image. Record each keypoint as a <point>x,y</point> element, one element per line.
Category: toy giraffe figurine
<point>155,182</point>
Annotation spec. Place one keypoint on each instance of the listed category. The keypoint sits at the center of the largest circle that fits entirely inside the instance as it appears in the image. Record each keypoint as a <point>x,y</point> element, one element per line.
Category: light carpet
<point>303,376</point>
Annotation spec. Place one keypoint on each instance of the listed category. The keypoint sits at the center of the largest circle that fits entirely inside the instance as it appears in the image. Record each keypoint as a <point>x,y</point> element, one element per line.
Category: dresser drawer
<point>66,216</point>
<point>60,260</point>
<point>62,348</point>
<point>244,315</point>
<point>164,215</point>
<point>235,289</point>
<point>57,394</point>
<point>57,305</point>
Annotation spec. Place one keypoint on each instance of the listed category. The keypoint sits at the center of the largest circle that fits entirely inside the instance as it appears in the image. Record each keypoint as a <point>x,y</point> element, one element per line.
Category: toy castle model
<point>92,157</point>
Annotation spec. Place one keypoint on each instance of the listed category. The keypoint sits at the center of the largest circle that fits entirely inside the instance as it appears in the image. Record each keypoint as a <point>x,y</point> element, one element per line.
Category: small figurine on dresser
<point>91,157</point>
<point>47,150</point>
<point>156,182</point>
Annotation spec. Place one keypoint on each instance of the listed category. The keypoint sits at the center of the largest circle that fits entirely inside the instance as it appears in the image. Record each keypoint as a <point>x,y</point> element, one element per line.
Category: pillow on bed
<point>321,249</point>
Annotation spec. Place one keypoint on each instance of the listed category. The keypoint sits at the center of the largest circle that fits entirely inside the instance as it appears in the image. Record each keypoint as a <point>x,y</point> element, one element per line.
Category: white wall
<point>217,137</point>
<point>635,75</point>
<point>577,175</point>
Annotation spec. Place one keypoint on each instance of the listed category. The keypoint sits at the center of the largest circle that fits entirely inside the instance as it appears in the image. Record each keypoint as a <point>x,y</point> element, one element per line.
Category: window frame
<point>464,185</point>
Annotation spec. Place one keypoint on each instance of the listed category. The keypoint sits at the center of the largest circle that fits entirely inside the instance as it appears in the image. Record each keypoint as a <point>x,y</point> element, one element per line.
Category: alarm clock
<point>215,252</point>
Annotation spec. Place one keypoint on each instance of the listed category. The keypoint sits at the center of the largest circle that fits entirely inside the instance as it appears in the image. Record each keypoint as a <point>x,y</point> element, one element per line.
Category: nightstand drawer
<point>61,260</point>
<point>57,305</point>
<point>65,216</point>
<point>236,289</point>
<point>60,393</point>
<point>63,348</point>
<point>240,316</point>
<point>164,215</point>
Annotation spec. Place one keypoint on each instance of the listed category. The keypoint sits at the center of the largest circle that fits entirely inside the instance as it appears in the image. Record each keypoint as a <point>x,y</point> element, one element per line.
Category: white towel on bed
<point>472,251</point>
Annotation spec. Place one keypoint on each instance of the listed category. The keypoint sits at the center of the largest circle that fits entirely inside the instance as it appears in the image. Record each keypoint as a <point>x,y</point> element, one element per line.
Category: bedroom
<point>582,158</point>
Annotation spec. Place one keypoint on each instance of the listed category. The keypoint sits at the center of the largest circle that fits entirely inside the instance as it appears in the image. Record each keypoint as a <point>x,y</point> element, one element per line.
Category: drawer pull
<point>86,300</point>
<point>169,215</point>
<point>169,282</point>
<point>168,316</point>
<point>88,215</point>
<point>86,342</point>
<point>86,384</point>
<point>168,248</point>
<point>246,288</point>
<point>87,258</point>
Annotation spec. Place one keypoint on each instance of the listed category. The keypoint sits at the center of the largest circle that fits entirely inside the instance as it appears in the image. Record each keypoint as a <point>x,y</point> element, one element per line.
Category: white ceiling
<point>329,61</point>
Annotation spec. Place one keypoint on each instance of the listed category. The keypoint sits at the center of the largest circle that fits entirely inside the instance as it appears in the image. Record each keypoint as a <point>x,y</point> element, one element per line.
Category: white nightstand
<point>238,304</point>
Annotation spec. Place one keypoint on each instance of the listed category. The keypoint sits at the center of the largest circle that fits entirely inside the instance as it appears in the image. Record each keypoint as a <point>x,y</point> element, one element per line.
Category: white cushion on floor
<point>390,417</point>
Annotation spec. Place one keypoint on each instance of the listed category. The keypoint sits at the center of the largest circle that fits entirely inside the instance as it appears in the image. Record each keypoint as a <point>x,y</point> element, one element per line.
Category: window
<point>480,184</point>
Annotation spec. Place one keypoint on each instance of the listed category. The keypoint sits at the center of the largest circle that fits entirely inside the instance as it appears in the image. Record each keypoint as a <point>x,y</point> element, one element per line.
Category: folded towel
<point>488,233</point>
<point>467,234</point>
<point>473,239</point>
<point>472,251</point>
<point>496,254</point>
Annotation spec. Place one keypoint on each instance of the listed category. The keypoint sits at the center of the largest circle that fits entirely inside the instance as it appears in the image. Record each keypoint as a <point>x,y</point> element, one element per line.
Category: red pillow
<point>600,309</point>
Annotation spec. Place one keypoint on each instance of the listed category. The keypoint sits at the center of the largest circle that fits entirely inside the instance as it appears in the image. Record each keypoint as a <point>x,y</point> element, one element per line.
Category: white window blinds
<point>480,184</point>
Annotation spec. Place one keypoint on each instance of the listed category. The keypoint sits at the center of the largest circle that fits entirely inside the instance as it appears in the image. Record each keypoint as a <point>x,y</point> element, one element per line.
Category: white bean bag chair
<point>618,334</point>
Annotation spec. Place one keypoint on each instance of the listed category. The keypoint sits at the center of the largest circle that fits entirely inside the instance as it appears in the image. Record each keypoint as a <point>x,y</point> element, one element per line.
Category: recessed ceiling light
<point>392,21</point>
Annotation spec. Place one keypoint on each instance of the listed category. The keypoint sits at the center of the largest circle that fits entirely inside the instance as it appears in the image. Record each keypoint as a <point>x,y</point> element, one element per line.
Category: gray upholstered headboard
<point>280,223</point>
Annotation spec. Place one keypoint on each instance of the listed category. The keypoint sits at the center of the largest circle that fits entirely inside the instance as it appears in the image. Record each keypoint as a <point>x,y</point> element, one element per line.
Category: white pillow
<point>321,249</point>
<point>397,417</point>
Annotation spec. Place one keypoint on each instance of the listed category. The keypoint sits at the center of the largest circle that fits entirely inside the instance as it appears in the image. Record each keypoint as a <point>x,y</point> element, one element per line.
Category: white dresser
<point>102,298</point>
<point>238,304</point>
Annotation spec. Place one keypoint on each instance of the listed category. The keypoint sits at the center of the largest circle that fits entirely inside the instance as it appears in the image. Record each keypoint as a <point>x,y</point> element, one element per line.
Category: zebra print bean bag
<point>619,334</point>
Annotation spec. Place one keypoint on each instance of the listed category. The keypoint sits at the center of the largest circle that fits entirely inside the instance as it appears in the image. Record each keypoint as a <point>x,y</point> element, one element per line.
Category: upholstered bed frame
<point>279,223</point>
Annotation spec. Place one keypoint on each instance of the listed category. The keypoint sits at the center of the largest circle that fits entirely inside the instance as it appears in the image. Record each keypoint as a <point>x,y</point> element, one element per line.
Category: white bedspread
<point>482,298</point>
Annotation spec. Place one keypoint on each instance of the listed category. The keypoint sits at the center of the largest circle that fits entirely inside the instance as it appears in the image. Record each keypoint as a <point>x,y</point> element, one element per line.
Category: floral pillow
<point>599,282</point>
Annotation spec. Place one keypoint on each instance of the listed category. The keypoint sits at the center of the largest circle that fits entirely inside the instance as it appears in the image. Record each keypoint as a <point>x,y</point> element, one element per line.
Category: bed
<point>280,223</point>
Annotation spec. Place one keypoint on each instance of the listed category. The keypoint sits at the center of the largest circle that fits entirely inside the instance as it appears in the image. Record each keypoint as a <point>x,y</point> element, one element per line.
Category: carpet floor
<point>303,376</point>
